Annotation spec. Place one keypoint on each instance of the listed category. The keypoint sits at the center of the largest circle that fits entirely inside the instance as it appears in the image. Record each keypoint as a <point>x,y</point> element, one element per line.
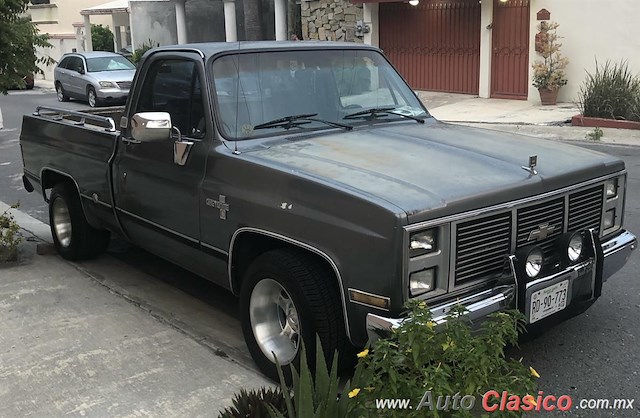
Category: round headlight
<point>574,249</point>
<point>533,264</point>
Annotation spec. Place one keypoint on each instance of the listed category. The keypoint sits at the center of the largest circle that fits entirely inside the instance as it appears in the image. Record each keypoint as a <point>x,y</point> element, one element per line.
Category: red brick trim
<point>579,120</point>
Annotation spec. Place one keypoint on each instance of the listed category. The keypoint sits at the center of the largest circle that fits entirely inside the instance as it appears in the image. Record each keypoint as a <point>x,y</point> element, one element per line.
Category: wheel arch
<point>261,241</point>
<point>49,177</point>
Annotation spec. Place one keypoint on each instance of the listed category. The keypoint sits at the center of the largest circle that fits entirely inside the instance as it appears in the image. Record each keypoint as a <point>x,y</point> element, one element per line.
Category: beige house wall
<point>591,29</point>
<point>57,19</point>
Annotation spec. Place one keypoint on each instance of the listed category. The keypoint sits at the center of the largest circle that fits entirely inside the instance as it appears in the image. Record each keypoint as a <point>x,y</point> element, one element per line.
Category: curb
<point>1,125</point>
<point>36,228</point>
<point>591,122</point>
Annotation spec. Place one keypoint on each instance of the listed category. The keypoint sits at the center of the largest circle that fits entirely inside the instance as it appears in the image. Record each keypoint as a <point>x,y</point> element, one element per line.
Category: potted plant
<point>548,73</point>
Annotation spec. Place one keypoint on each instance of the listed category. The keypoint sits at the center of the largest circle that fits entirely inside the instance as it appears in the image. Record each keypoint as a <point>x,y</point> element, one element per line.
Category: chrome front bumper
<point>616,252</point>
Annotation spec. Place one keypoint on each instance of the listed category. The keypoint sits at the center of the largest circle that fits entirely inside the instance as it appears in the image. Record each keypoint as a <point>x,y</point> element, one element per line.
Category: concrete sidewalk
<point>70,345</point>
<point>519,116</point>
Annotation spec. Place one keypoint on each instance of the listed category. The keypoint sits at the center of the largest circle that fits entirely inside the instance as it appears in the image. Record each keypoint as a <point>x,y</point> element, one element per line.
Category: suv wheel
<point>92,98</point>
<point>62,97</point>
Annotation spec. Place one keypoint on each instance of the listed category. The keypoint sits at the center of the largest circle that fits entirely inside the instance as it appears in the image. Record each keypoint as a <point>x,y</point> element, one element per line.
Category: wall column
<point>117,38</point>
<point>486,48</point>
<point>370,18</point>
<point>181,22</point>
<point>230,26</point>
<point>280,7</point>
<point>88,43</point>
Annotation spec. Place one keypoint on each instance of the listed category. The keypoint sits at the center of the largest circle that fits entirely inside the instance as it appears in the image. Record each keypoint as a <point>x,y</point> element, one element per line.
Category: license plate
<point>548,301</point>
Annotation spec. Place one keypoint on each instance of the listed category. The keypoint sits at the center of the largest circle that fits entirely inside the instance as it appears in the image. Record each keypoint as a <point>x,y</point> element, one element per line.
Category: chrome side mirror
<point>151,126</point>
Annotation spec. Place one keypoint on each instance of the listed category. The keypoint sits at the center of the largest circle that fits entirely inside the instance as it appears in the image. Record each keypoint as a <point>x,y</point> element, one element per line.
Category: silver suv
<point>97,77</point>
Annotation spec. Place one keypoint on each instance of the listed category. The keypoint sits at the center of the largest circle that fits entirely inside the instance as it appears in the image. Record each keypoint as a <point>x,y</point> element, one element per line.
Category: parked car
<point>27,84</point>
<point>97,77</point>
<point>310,180</point>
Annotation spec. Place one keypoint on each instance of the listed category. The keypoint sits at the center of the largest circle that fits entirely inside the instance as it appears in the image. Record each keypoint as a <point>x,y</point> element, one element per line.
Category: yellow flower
<point>363,353</point>
<point>431,324</point>
<point>531,399</point>
<point>534,373</point>
<point>354,393</point>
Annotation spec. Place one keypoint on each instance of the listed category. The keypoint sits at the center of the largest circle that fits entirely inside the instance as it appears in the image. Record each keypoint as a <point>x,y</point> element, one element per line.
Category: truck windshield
<point>256,88</point>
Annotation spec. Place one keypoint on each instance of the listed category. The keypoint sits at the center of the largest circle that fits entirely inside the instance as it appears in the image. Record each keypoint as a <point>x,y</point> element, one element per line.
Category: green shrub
<point>139,52</point>
<point>101,38</point>
<point>612,92</point>
<point>255,404</point>
<point>446,359</point>
<point>10,236</point>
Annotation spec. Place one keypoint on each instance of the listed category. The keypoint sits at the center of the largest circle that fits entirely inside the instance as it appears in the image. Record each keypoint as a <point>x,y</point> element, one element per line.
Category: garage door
<point>435,45</point>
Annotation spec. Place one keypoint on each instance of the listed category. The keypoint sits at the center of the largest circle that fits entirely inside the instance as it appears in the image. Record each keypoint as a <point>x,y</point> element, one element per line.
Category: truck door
<point>157,198</point>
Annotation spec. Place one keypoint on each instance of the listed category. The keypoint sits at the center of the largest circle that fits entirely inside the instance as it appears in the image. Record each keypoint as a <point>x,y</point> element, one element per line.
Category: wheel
<point>73,237</point>
<point>62,97</point>
<point>91,97</point>
<point>288,297</point>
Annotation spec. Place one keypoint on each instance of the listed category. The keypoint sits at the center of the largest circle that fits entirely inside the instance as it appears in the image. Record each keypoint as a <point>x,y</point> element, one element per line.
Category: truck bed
<point>78,145</point>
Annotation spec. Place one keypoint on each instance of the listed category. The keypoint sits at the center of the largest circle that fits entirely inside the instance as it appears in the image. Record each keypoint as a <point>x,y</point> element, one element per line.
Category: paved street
<point>595,355</point>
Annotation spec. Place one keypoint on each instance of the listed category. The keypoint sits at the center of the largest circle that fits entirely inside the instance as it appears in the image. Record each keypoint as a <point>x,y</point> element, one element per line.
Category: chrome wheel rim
<point>59,93</point>
<point>61,222</point>
<point>91,95</point>
<point>274,321</point>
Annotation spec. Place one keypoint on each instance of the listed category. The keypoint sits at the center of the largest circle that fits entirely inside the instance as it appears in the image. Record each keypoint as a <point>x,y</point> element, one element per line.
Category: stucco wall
<point>590,29</point>
<point>57,19</point>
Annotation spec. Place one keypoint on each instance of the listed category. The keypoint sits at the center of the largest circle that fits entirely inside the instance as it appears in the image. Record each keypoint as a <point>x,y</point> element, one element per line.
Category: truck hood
<point>436,169</point>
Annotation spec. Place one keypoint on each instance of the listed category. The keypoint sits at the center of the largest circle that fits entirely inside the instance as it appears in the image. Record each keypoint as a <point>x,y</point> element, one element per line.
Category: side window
<point>174,86</point>
<point>65,63</point>
<point>74,63</point>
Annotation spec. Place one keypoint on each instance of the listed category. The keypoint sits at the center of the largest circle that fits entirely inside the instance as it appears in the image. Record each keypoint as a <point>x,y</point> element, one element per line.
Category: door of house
<point>510,60</point>
<point>434,45</point>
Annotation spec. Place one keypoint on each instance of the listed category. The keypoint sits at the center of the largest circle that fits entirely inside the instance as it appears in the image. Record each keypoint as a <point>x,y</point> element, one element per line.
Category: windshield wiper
<point>376,112</point>
<point>295,121</point>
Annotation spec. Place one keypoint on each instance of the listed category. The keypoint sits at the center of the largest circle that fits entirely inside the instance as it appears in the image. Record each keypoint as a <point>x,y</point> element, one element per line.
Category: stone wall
<point>330,20</point>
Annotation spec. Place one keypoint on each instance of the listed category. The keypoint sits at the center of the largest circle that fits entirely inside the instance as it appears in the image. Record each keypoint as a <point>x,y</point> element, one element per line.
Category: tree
<point>101,38</point>
<point>19,39</point>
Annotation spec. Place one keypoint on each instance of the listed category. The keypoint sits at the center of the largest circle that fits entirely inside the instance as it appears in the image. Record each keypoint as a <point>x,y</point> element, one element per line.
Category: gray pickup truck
<point>310,180</point>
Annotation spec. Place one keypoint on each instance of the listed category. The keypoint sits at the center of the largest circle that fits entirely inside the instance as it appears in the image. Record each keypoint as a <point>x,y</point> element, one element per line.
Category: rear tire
<point>73,237</point>
<point>288,297</point>
<point>62,96</point>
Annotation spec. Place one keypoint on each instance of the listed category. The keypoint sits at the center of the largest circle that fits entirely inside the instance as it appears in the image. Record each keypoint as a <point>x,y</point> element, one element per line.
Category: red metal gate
<point>510,58</point>
<point>435,45</point>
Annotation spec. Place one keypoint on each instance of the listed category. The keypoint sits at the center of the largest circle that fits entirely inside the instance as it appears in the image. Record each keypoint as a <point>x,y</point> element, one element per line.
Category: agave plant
<point>256,404</point>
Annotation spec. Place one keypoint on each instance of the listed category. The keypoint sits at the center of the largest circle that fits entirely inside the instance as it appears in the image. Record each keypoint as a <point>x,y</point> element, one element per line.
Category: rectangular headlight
<point>422,282</point>
<point>611,188</point>
<point>423,242</point>
<point>609,219</point>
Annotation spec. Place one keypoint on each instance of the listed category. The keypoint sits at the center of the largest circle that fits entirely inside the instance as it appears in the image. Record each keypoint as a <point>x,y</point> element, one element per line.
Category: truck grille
<point>481,247</point>
<point>585,209</point>
<point>483,244</point>
<point>547,213</point>
<point>124,85</point>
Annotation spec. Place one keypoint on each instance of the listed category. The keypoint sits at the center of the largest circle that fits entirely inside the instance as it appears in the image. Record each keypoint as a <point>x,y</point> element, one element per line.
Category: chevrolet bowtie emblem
<point>533,162</point>
<point>541,232</point>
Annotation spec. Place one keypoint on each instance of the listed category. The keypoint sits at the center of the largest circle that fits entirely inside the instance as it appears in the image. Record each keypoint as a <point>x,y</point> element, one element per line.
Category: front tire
<point>62,97</point>
<point>92,98</point>
<point>288,298</point>
<point>73,237</point>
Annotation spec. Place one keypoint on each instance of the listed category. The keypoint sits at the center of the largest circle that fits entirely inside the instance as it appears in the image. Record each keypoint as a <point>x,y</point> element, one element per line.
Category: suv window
<point>65,62</point>
<point>174,86</point>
